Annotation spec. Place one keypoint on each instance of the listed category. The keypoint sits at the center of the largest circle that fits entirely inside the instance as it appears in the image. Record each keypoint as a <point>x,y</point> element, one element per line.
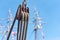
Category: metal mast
<point>35,22</point>
<point>38,24</point>
<point>9,19</point>
<point>22,16</point>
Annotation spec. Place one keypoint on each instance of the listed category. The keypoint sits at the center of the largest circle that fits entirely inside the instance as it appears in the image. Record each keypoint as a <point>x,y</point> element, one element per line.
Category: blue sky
<point>49,11</point>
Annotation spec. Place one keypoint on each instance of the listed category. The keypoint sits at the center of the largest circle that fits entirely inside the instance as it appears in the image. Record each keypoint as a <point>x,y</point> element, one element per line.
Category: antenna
<point>9,19</point>
<point>37,24</point>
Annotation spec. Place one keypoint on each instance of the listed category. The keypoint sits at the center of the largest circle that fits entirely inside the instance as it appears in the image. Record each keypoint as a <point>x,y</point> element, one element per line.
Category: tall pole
<point>35,22</point>
<point>9,19</point>
<point>22,17</point>
<point>11,29</point>
<point>25,26</point>
<point>38,24</point>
